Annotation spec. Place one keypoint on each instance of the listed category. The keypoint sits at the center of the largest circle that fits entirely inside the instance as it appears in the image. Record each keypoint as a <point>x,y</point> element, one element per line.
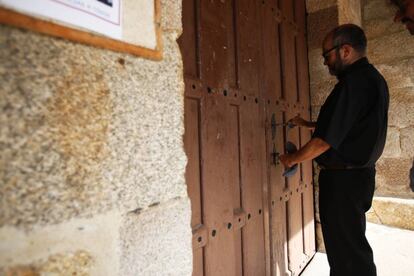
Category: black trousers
<point>344,197</point>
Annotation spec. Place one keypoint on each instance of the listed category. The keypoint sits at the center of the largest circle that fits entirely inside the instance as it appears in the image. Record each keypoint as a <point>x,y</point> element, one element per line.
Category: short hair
<point>350,34</point>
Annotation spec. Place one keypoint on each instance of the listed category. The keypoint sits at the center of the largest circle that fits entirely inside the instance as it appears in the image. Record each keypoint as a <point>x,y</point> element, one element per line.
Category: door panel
<point>245,67</point>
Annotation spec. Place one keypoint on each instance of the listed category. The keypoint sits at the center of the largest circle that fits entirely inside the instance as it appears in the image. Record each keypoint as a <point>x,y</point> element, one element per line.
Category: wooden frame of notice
<point>20,20</point>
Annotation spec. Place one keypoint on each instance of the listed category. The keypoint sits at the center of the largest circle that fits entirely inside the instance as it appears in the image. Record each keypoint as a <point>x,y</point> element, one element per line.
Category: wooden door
<point>286,84</point>
<point>244,64</point>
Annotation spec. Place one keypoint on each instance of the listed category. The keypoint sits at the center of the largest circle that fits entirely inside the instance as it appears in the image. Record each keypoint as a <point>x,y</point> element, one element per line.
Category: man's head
<point>343,46</point>
<point>405,13</point>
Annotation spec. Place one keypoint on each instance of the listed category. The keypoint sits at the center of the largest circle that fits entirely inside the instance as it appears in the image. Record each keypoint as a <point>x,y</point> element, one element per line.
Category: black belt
<point>338,167</point>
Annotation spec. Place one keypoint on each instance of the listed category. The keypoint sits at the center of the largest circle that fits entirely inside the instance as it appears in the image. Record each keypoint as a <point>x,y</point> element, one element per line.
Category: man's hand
<point>312,149</point>
<point>287,160</point>
<point>298,121</point>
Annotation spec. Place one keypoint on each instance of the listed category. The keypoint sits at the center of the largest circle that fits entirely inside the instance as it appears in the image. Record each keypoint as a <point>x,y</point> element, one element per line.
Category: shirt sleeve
<point>339,113</point>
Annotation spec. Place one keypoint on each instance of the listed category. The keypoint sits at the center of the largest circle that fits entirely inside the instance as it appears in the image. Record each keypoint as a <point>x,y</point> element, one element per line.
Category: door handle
<point>273,125</point>
<point>290,148</point>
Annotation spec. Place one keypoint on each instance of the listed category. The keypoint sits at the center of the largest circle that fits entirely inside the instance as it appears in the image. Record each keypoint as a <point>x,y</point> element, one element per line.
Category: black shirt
<point>353,120</point>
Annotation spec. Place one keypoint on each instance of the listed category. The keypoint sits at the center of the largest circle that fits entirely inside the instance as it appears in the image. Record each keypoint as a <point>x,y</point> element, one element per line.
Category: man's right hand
<point>299,121</point>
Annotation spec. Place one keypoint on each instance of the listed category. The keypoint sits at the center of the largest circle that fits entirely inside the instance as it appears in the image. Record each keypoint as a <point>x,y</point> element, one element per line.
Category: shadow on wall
<point>412,178</point>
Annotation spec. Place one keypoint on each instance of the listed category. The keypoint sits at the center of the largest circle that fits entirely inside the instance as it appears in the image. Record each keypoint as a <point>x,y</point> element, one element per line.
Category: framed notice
<point>130,26</point>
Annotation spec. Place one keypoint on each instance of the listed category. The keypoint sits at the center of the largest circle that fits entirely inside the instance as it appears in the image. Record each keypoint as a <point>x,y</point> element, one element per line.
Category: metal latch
<point>273,126</point>
<point>275,156</point>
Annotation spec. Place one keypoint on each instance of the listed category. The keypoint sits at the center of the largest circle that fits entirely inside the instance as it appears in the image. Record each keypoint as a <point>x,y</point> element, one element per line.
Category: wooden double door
<point>246,73</point>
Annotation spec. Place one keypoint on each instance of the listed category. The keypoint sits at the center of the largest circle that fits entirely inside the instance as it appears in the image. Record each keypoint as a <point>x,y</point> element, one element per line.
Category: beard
<point>337,67</point>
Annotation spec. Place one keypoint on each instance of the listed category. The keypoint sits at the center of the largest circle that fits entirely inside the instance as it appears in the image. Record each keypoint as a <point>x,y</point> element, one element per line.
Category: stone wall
<point>391,50</point>
<point>92,161</point>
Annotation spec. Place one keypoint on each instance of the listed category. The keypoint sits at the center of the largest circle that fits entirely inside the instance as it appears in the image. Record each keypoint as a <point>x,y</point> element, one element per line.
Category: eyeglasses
<point>325,54</point>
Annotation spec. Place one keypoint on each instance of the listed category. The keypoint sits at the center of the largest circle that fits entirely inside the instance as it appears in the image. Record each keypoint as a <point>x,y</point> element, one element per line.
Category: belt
<point>338,167</point>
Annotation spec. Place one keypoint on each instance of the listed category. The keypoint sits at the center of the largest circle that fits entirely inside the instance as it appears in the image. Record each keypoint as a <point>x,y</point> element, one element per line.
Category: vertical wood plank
<point>279,210</point>
<point>234,143</point>
<point>192,175</point>
<point>216,43</point>
<point>253,234</point>
<point>303,77</point>
<point>295,225</point>
<point>268,93</point>
<point>271,62</point>
<point>288,62</point>
<point>217,187</point>
<point>188,40</point>
<point>288,9</point>
<point>248,46</point>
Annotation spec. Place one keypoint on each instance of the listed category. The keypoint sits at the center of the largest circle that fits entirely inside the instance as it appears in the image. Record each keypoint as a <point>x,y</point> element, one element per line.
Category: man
<point>405,13</point>
<point>349,138</point>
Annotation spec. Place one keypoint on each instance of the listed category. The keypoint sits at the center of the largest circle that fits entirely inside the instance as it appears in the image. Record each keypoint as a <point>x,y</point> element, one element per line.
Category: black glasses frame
<point>325,54</point>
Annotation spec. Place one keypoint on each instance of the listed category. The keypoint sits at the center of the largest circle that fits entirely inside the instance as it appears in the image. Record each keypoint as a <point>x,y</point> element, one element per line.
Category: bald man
<point>348,140</point>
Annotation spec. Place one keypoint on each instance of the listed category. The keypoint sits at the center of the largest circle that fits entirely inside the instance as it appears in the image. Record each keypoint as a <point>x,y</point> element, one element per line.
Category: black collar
<point>362,62</point>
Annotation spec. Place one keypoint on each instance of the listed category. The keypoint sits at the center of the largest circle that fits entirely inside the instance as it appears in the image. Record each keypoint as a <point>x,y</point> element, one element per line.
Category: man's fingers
<point>296,121</point>
<point>284,160</point>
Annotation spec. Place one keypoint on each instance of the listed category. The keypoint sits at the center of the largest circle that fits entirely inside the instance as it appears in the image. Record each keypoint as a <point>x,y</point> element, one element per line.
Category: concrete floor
<point>393,253</point>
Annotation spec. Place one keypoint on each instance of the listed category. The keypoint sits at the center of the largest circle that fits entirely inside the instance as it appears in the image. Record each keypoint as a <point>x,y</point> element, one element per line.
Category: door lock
<point>290,148</point>
<point>275,156</point>
<point>273,125</point>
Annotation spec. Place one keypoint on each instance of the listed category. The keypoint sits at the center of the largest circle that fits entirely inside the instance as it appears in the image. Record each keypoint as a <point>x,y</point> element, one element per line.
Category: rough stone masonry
<point>92,161</point>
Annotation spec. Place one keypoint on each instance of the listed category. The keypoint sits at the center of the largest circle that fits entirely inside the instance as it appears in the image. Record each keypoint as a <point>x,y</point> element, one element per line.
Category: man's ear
<point>346,51</point>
